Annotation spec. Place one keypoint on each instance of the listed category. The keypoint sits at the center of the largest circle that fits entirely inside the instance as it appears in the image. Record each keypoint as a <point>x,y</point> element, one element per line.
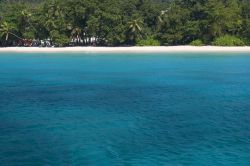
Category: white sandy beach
<point>160,49</point>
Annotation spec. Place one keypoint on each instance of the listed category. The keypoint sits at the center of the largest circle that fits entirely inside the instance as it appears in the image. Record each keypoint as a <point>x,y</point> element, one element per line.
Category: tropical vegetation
<point>125,22</point>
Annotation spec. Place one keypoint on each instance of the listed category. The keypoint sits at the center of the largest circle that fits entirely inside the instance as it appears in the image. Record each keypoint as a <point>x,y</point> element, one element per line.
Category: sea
<point>93,109</point>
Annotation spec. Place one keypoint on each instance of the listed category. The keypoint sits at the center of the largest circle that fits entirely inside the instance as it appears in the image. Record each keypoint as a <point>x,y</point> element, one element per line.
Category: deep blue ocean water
<point>125,110</point>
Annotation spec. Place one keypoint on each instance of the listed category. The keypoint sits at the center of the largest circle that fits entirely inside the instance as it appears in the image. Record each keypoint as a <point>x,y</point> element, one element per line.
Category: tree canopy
<point>124,22</point>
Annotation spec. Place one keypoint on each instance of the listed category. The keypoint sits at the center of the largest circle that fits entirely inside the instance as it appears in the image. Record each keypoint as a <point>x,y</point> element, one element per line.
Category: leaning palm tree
<point>135,29</point>
<point>6,30</point>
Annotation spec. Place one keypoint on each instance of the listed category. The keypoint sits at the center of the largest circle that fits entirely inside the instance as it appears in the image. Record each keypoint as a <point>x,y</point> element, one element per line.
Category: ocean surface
<point>125,110</point>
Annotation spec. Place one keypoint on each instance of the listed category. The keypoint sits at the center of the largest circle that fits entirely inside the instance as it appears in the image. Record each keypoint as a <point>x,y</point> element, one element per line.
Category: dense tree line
<point>126,22</point>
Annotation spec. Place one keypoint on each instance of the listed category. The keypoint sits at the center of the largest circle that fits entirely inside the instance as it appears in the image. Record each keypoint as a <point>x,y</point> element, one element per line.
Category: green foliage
<point>135,30</point>
<point>59,39</point>
<point>197,42</point>
<point>6,30</point>
<point>29,35</point>
<point>126,22</point>
<point>188,19</point>
<point>148,42</point>
<point>228,41</point>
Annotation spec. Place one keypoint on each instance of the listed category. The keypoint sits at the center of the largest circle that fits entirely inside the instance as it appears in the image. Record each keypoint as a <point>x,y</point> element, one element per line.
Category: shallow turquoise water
<point>140,110</point>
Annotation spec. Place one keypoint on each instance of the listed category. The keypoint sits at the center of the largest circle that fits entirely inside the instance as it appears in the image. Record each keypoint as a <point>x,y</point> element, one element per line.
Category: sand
<point>160,49</point>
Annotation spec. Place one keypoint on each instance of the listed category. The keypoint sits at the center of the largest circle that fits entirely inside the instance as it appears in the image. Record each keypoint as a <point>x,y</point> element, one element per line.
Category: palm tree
<point>76,33</point>
<point>135,29</point>
<point>161,17</point>
<point>5,30</point>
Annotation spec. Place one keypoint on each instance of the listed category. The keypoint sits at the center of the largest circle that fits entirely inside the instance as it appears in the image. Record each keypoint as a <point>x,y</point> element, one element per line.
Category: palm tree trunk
<point>7,36</point>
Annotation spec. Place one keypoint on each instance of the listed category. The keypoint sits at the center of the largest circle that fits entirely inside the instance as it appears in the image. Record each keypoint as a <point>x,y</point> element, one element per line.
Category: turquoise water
<point>140,110</point>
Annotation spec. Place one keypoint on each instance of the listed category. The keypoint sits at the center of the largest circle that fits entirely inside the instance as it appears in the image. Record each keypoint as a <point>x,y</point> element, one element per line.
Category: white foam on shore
<point>160,49</point>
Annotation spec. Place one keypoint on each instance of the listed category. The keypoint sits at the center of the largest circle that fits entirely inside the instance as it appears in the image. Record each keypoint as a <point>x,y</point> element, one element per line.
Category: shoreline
<point>146,49</point>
